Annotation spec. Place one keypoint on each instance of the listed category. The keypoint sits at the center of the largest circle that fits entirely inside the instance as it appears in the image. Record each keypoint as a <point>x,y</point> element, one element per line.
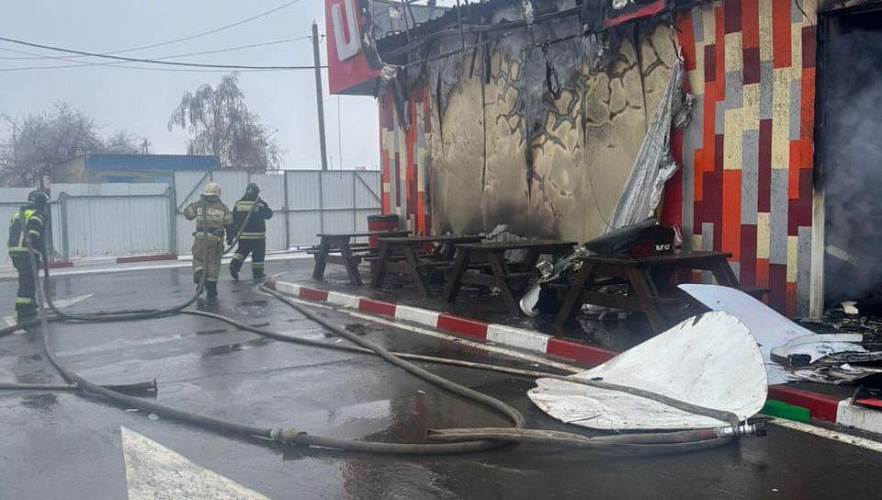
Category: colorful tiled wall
<point>746,182</point>
<point>405,160</point>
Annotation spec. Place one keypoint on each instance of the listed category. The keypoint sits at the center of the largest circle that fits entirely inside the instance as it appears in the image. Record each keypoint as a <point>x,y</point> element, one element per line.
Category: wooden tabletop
<point>664,259</point>
<point>364,234</point>
<point>446,238</point>
<point>517,245</point>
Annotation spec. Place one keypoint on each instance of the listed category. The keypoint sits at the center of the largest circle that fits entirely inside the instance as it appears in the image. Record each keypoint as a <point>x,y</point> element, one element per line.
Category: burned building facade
<point>528,115</point>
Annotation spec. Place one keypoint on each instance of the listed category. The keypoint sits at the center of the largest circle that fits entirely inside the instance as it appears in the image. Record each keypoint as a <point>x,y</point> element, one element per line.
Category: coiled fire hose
<point>444,441</point>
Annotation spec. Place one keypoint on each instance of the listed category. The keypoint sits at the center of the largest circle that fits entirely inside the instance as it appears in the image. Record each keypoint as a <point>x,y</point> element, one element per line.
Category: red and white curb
<point>820,406</point>
<point>519,338</point>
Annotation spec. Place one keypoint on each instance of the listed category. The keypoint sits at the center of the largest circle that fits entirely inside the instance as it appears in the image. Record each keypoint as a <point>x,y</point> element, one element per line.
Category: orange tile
<point>790,300</point>
<point>732,213</point>
<point>807,104</point>
<point>762,272</point>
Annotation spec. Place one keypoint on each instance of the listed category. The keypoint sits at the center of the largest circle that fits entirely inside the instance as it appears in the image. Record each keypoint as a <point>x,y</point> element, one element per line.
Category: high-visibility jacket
<point>255,228</point>
<point>26,224</point>
<point>211,215</point>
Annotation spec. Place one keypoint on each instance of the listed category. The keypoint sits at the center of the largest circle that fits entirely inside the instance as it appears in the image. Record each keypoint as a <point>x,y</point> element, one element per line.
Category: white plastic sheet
<point>711,361</point>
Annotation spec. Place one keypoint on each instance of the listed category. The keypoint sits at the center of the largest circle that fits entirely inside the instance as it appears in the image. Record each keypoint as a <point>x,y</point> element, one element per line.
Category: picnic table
<point>415,262</point>
<point>502,274</point>
<point>341,242</point>
<point>652,284</point>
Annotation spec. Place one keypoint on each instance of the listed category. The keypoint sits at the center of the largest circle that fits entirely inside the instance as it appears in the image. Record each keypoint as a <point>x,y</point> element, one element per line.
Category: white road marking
<point>830,434</point>
<point>156,472</point>
<point>438,335</point>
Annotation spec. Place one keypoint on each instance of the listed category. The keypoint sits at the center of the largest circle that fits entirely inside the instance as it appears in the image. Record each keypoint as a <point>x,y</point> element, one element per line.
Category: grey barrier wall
<point>117,220</point>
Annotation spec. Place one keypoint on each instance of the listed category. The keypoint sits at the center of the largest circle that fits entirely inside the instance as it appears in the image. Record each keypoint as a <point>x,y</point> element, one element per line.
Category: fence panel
<point>116,219</point>
<point>115,226</point>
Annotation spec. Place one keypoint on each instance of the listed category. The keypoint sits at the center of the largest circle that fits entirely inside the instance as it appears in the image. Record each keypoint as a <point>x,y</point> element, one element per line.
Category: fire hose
<point>448,441</point>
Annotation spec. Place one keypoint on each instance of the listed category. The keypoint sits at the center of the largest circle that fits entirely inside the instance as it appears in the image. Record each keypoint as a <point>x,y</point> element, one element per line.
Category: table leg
<point>573,301</point>
<point>650,308</point>
<point>412,261</point>
<point>321,260</point>
<point>460,265</point>
<point>724,274</point>
<point>349,262</point>
<point>499,272</point>
<point>380,269</point>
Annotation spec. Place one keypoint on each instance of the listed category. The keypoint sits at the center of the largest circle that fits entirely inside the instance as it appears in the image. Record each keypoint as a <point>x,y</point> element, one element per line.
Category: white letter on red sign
<point>346,49</point>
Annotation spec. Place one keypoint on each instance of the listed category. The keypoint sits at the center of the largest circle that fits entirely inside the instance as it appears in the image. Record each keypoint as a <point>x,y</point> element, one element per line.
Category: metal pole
<point>285,212</point>
<point>318,94</point>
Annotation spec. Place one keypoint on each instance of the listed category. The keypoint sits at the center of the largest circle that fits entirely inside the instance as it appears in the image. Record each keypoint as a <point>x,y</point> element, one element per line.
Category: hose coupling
<point>757,429</point>
<point>287,436</point>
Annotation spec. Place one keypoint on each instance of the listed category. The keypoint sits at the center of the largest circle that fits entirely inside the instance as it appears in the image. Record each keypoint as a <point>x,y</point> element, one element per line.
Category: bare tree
<point>38,141</point>
<point>222,125</point>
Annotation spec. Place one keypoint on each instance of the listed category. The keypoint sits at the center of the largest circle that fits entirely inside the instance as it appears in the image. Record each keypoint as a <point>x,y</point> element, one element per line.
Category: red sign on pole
<point>348,69</point>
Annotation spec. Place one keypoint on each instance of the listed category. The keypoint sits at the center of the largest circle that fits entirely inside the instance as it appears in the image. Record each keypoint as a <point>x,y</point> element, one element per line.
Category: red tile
<point>748,255</point>
<point>731,219</point>
<point>750,24</point>
<point>809,46</point>
<point>710,64</point>
<point>781,41</point>
<point>686,37</point>
<point>751,71</point>
<point>732,15</point>
<point>807,104</point>
<point>778,284</point>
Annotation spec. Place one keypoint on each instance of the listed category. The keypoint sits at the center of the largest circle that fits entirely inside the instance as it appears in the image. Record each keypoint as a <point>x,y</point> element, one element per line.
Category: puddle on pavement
<point>211,332</point>
<point>238,346</point>
<point>39,401</point>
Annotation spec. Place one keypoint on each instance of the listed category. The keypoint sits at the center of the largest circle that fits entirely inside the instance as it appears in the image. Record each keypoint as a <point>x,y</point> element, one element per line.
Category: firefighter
<point>26,230</point>
<point>213,218</point>
<point>250,215</point>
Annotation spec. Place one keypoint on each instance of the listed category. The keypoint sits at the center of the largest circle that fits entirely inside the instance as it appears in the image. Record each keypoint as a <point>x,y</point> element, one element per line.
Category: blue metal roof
<point>151,162</point>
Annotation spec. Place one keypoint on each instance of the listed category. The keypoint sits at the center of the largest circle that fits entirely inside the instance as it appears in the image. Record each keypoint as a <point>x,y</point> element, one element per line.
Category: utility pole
<point>318,94</point>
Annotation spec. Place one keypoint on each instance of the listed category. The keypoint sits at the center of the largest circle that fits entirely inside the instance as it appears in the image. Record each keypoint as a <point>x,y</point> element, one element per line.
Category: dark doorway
<point>849,152</point>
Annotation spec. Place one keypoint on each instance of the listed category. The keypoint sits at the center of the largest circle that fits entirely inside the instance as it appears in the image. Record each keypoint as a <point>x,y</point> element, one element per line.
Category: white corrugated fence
<point>119,220</point>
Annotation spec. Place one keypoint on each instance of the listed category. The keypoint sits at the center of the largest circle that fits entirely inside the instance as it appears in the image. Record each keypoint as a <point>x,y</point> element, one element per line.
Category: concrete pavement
<point>64,446</point>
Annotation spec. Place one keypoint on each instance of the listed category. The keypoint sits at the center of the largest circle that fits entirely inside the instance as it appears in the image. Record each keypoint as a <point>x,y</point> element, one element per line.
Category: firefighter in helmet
<point>250,215</point>
<point>212,218</point>
<point>26,230</point>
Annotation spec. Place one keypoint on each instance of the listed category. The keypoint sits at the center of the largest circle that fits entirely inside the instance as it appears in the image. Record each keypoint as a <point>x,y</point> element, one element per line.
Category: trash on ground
<point>711,360</point>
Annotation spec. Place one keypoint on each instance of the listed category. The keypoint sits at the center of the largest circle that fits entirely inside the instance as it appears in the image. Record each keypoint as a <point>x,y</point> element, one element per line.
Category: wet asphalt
<point>65,446</point>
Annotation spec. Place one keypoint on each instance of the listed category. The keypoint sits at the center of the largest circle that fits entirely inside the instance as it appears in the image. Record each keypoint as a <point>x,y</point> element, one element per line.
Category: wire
<point>189,37</point>
<point>121,64</point>
<point>147,61</point>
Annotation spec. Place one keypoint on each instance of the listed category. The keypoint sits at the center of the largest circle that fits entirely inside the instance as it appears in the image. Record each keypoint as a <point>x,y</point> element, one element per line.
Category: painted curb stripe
<point>579,352</point>
<point>516,337</point>
<point>377,306</point>
<point>416,315</point>
<point>822,407</point>
<point>463,326</point>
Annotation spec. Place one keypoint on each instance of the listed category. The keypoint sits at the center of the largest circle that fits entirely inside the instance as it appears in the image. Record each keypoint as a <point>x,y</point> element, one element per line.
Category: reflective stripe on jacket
<point>25,223</point>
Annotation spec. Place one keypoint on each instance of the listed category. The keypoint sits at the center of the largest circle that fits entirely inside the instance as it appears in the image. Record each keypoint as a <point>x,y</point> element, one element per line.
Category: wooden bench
<point>406,255</point>
<point>342,247</point>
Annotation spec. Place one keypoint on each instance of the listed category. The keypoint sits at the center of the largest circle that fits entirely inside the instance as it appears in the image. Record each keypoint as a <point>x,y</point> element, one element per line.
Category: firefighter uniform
<point>250,215</point>
<point>212,219</point>
<point>26,229</point>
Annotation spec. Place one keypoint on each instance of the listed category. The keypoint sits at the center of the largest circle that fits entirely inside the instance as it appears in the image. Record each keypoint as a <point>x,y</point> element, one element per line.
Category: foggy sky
<point>140,101</point>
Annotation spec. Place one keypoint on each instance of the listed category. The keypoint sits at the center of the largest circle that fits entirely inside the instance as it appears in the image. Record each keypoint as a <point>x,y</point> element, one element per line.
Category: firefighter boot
<point>211,290</point>
<point>197,277</point>
<point>235,265</point>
